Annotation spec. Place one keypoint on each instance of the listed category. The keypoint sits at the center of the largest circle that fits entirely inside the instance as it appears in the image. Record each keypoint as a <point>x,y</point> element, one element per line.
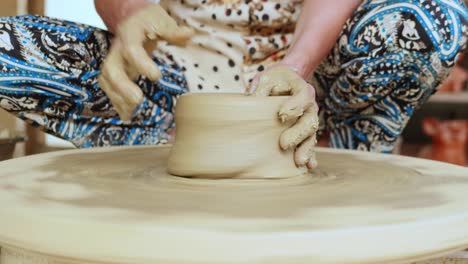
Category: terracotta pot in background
<point>449,141</point>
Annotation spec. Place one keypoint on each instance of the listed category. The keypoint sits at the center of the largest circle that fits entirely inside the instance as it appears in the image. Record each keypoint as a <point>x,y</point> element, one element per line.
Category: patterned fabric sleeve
<point>48,77</point>
<point>388,61</point>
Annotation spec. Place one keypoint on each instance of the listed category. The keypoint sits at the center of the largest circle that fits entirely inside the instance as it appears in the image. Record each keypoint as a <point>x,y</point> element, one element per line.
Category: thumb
<point>180,36</point>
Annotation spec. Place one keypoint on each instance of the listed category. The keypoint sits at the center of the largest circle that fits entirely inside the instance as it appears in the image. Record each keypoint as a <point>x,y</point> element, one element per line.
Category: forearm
<point>113,12</point>
<point>317,31</point>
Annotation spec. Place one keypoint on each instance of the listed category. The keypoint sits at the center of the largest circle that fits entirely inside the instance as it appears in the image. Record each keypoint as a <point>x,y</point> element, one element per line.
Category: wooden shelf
<point>460,98</point>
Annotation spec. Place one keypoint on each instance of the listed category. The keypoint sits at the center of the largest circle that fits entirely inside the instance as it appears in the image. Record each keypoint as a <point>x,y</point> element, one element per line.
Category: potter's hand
<point>130,57</point>
<point>283,80</point>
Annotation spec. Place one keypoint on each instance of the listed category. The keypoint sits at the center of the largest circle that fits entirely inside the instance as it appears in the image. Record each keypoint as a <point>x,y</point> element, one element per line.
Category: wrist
<point>303,67</point>
<point>126,10</point>
<point>130,7</point>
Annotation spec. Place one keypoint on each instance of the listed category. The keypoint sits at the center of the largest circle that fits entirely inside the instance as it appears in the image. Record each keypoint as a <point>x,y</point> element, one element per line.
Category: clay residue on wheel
<point>133,184</point>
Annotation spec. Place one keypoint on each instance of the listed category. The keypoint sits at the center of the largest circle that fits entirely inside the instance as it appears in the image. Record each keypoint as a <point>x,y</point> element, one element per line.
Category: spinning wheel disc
<point>119,205</point>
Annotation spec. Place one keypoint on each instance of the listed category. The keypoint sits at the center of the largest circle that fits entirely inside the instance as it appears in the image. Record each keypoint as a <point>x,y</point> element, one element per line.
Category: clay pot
<point>206,146</point>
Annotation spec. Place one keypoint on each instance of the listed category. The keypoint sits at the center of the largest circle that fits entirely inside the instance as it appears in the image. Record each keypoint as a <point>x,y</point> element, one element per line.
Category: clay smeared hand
<point>283,80</point>
<point>129,56</point>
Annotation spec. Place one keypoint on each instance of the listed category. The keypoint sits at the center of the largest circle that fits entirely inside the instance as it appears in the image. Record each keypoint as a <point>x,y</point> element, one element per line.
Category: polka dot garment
<point>234,40</point>
<point>388,60</point>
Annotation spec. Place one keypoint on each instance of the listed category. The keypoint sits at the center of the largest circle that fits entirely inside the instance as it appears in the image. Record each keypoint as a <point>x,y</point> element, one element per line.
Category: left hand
<point>284,80</point>
<point>130,55</point>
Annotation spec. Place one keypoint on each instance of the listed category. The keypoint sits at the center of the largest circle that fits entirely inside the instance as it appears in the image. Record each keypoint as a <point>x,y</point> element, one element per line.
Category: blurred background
<point>439,130</point>
<point>17,138</point>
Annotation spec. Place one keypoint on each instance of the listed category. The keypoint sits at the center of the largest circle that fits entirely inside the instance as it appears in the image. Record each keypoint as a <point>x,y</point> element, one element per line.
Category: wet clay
<point>120,205</point>
<point>230,136</point>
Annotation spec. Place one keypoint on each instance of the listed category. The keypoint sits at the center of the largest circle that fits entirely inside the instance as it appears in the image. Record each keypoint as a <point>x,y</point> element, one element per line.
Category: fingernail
<point>284,144</point>
<point>283,117</point>
<point>312,164</point>
<point>301,161</point>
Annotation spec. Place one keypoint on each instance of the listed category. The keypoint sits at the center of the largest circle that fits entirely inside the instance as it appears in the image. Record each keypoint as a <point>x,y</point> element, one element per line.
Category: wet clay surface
<point>231,136</point>
<point>126,180</point>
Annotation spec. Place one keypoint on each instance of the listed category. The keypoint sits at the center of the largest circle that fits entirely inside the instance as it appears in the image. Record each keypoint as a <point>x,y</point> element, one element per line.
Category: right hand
<point>282,79</point>
<point>130,56</point>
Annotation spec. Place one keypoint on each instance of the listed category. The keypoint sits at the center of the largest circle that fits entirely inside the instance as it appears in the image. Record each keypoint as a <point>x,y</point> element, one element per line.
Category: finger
<point>137,57</point>
<point>129,91</point>
<point>150,46</point>
<point>305,151</point>
<point>179,35</point>
<point>116,100</point>
<point>161,24</point>
<point>132,48</point>
<point>267,84</point>
<point>306,126</point>
<point>114,96</point>
<point>289,83</point>
<point>282,87</point>
<point>255,81</point>
<point>132,73</point>
<point>107,88</point>
<point>114,73</point>
<point>303,97</point>
<point>125,95</point>
<point>312,164</point>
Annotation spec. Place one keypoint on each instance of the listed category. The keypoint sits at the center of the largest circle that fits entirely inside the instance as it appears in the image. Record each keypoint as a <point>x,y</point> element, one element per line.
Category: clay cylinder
<point>230,136</point>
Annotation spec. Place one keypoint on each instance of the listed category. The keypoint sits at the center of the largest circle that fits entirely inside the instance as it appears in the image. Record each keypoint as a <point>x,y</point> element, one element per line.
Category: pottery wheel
<point>119,205</point>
